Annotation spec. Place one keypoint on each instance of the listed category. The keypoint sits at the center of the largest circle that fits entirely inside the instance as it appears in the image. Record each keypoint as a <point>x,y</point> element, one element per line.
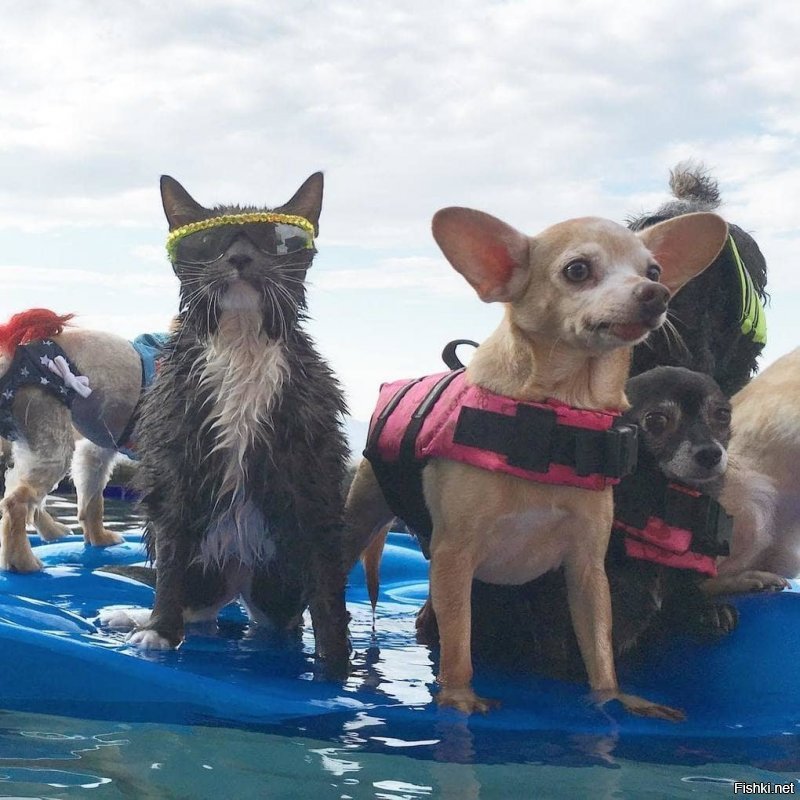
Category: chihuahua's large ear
<point>684,246</point>
<point>491,255</point>
<point>179,206</point>
<point>307,200</point>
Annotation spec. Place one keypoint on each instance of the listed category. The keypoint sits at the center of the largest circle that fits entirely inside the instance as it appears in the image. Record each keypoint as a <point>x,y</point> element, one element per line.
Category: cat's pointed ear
<point>179,206</point>
<point>307,200</point>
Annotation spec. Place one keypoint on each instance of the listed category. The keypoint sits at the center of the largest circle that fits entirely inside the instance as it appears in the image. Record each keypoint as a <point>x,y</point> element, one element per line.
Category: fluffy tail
<point>29,326</point>
<point>690,181</point>
<point>750,497</point>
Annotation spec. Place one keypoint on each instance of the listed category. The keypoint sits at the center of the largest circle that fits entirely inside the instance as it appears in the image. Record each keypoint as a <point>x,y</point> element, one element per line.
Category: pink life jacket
<point>445,416</point>
<point>677,526</point>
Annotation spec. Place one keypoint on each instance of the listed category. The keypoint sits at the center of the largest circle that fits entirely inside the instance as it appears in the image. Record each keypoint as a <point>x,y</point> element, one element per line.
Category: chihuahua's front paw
<point>465,700</point>
<point>754,580</point>
<point>716,620</point>
<point>751,580</point>
<point>148,639</point>
<point>641,707</point>
<point>105,538</point>
<point>20,560</point>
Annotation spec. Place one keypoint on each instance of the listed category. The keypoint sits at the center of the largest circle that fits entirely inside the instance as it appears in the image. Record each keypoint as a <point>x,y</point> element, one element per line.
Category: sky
<point>532,111</point>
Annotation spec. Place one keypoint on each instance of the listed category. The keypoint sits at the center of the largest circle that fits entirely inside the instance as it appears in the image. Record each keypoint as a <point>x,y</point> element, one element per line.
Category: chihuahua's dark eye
<point>577,271</point>
<point>653,272</point>
<point>655,422</point>
<point>723,416</point>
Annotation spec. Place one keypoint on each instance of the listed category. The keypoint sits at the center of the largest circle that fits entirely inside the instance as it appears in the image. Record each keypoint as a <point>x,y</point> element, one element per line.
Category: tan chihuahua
<point>762,491</point>
<point>577,297</point>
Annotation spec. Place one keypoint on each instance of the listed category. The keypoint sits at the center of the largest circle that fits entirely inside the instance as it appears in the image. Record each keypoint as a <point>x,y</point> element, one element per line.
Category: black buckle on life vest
<point>649,493</point>
<point>710,524</point>
<point>532,439</point>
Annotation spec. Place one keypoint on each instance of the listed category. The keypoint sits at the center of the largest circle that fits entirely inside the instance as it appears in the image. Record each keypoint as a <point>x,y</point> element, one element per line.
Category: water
<point>57,757</point>
<point>362,754</point>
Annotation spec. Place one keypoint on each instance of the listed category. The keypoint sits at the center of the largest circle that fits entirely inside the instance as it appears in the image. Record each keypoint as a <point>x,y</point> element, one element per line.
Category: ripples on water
<point>357,756</point>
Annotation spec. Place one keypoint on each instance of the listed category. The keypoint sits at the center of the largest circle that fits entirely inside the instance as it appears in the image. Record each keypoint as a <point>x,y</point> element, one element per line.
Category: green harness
<point>752,318</point>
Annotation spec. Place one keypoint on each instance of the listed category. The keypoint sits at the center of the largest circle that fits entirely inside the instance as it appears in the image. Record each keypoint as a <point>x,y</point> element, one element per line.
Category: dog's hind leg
<point>48,527</point>
<point>91,469</point>
<point>41,457</point>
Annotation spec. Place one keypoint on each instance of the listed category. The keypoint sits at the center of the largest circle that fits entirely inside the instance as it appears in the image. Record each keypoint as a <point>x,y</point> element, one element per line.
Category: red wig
<point>30,326</point>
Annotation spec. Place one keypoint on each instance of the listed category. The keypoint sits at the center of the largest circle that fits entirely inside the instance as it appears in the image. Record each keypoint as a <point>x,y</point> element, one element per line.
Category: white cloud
<point>15,276</point>
<point>531,111</point>
<point>36,212</point>
<point>429,274</point>
<point>508,104</point>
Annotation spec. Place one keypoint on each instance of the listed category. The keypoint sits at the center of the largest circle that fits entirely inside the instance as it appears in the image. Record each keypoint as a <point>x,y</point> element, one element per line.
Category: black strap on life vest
<point>532,440</point>
<point>124,439</point>
<point>408,443</point>
<point>649,493</point>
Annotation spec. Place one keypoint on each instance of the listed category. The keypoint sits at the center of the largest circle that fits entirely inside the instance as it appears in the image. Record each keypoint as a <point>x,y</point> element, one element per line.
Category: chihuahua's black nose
<point>653,298</point>
<point>708,457</point>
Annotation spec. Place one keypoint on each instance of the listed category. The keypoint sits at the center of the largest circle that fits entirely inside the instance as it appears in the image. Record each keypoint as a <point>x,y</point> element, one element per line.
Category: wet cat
<point>242,448</point>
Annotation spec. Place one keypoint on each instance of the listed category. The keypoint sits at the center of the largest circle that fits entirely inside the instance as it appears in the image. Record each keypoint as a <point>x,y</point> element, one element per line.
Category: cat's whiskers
<point>283,291</point>
<point>194,296</point>
<point>277,314</point>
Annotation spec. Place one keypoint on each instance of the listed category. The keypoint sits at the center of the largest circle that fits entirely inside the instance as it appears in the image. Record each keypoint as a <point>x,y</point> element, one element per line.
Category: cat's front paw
<point>123,619</point>
<point>148,639</point>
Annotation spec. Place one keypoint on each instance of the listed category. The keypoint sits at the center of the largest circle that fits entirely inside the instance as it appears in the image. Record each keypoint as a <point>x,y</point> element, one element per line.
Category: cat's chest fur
<point>242,374</point>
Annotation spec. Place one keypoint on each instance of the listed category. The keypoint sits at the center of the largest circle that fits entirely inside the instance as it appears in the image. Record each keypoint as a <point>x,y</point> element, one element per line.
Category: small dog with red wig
<point>45,397</point>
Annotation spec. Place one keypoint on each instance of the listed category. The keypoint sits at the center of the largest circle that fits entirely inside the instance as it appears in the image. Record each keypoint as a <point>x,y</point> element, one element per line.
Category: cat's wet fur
<point>243,453</point>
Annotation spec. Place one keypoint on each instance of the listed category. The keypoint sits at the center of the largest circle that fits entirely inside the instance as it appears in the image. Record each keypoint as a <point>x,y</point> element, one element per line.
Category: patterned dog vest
<point>29,367</point>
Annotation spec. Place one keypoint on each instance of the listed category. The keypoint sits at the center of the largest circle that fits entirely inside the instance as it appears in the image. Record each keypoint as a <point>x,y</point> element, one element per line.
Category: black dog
<point>684,422</point>
<point>242,449</point>
<point>717,323</point>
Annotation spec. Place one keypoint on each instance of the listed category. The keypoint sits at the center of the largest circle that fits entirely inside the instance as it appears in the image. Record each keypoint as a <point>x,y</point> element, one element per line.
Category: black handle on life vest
<point>449,355</point>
